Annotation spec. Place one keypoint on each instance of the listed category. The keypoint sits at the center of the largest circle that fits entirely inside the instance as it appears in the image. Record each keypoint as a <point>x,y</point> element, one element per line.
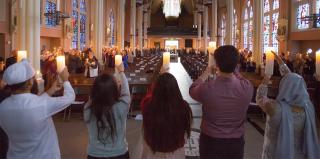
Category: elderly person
<point>290,128</point>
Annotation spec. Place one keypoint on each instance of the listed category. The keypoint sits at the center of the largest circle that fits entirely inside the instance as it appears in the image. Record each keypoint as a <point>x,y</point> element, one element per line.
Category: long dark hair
<point>167,117</point>
<point>104,95</point>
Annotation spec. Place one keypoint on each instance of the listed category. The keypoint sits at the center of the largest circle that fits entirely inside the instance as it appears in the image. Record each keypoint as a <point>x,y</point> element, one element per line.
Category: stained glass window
<point>112,29</point>
<point>235,28</point>
<point>276,4</point>
<point>82,5</point>
<point>266,31</point>
<point>246,14</point>
<point>245,33</point>
<point>250,35</point>
<point>75,4</point>
<point>83,19</point>
<point>318,12</point>
<point>270,21</point>
<point>50,7</point>
<point>223,30</point>
<point>248,26</point>
<point>303,10</point>
<point>274,28</point>
<point>79,18</point>
<point>75,29</point>
<point>266,6</point>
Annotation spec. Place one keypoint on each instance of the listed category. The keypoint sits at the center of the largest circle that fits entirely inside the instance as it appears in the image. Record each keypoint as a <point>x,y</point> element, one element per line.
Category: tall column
<point>205,27</point>
<point>149,18</point>
<point>145,28</point>
<point>229,22</point>
<point>29,31</point>
<point>21,25</point>
<point>133,25</point>
<point>258,31</point>
<point>140,19</point>
<point>195,18</point>
<point>214,29</point>
<point>199,30</point>
<point>98,28</point>
<point>121,23</point>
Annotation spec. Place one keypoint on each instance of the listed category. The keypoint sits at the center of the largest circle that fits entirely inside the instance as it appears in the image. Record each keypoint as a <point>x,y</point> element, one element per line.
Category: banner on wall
<point>282,31</point>
<point>68,28</point>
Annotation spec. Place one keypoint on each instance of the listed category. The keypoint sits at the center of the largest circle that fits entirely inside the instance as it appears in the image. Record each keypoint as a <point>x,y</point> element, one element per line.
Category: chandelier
<point>171,8</point>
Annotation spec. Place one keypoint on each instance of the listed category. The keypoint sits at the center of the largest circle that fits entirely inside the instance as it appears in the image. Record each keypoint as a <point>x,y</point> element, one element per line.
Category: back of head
<point>167,117</point>
<point>19,76</point>
<point>104,95</point>
<point>227,58</point>
<point>293,90</point>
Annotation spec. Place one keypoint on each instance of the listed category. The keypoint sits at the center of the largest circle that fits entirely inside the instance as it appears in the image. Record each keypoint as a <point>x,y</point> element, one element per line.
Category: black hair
<point>104,95</point>
<point>167,117</point>
<point>227,58</point>
<point>18,86</point>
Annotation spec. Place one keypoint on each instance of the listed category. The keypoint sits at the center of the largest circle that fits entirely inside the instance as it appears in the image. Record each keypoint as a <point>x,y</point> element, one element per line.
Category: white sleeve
<point>124,92</point>
<point>56,104</point>
<point>262,96</point>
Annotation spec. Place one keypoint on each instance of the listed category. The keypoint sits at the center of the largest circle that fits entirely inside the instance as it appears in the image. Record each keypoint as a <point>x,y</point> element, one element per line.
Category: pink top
<point>224,105</point>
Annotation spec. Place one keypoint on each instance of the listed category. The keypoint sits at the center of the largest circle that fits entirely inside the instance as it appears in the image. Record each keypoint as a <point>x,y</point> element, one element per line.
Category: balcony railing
<point>173,31</point>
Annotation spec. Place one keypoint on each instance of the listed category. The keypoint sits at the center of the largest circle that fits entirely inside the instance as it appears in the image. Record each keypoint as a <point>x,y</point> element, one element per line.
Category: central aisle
<point>73,135</point>
<point>184,80</point>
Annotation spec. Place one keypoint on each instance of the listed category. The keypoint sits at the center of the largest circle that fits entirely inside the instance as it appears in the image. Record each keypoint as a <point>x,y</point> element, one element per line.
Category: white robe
<point>26,118</point>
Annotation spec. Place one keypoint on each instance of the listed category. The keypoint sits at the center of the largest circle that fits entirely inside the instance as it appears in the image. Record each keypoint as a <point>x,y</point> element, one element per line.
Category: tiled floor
<point>73,135</point>
<point>73,138</point>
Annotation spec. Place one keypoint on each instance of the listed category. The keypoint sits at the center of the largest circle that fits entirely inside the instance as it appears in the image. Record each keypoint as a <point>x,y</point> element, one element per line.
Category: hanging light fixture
<point>171,8</point>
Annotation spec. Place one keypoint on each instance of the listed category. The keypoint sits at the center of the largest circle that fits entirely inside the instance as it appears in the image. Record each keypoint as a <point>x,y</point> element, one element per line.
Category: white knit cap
<point>18,73</point>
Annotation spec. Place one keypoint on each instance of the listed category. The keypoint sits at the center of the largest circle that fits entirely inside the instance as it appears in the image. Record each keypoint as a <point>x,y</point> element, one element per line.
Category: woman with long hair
<point>105,115</point>
<point>291,131</point>
<point>167,120</point>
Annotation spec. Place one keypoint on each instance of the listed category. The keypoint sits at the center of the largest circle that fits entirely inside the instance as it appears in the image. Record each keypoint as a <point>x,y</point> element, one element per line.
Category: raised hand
<point>277,58</point>
<point>120,68</point>
<point>266,79</point>
<point>64,75</point>
<point>56,86</point>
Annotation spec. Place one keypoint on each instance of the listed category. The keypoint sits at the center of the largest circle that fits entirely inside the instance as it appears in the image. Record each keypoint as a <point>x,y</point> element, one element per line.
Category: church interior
<point>148,37</point>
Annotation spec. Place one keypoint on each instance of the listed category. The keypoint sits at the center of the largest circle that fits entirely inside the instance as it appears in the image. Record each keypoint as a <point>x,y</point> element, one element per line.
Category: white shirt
<point>26,118</point>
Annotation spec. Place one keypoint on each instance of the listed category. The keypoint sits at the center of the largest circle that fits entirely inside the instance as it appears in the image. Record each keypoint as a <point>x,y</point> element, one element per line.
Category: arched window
<point>79,17</point>
<point>223,30</point>
<point>235,29</point>
<point>112,29</point>
<point>50,7</point>
<point>303,10</point>
<point>318,12</point>
<point>248,26</point>
<point>270,19</point>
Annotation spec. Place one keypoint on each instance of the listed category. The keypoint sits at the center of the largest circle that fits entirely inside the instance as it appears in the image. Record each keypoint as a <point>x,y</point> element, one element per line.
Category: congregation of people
<point>28,131</point>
